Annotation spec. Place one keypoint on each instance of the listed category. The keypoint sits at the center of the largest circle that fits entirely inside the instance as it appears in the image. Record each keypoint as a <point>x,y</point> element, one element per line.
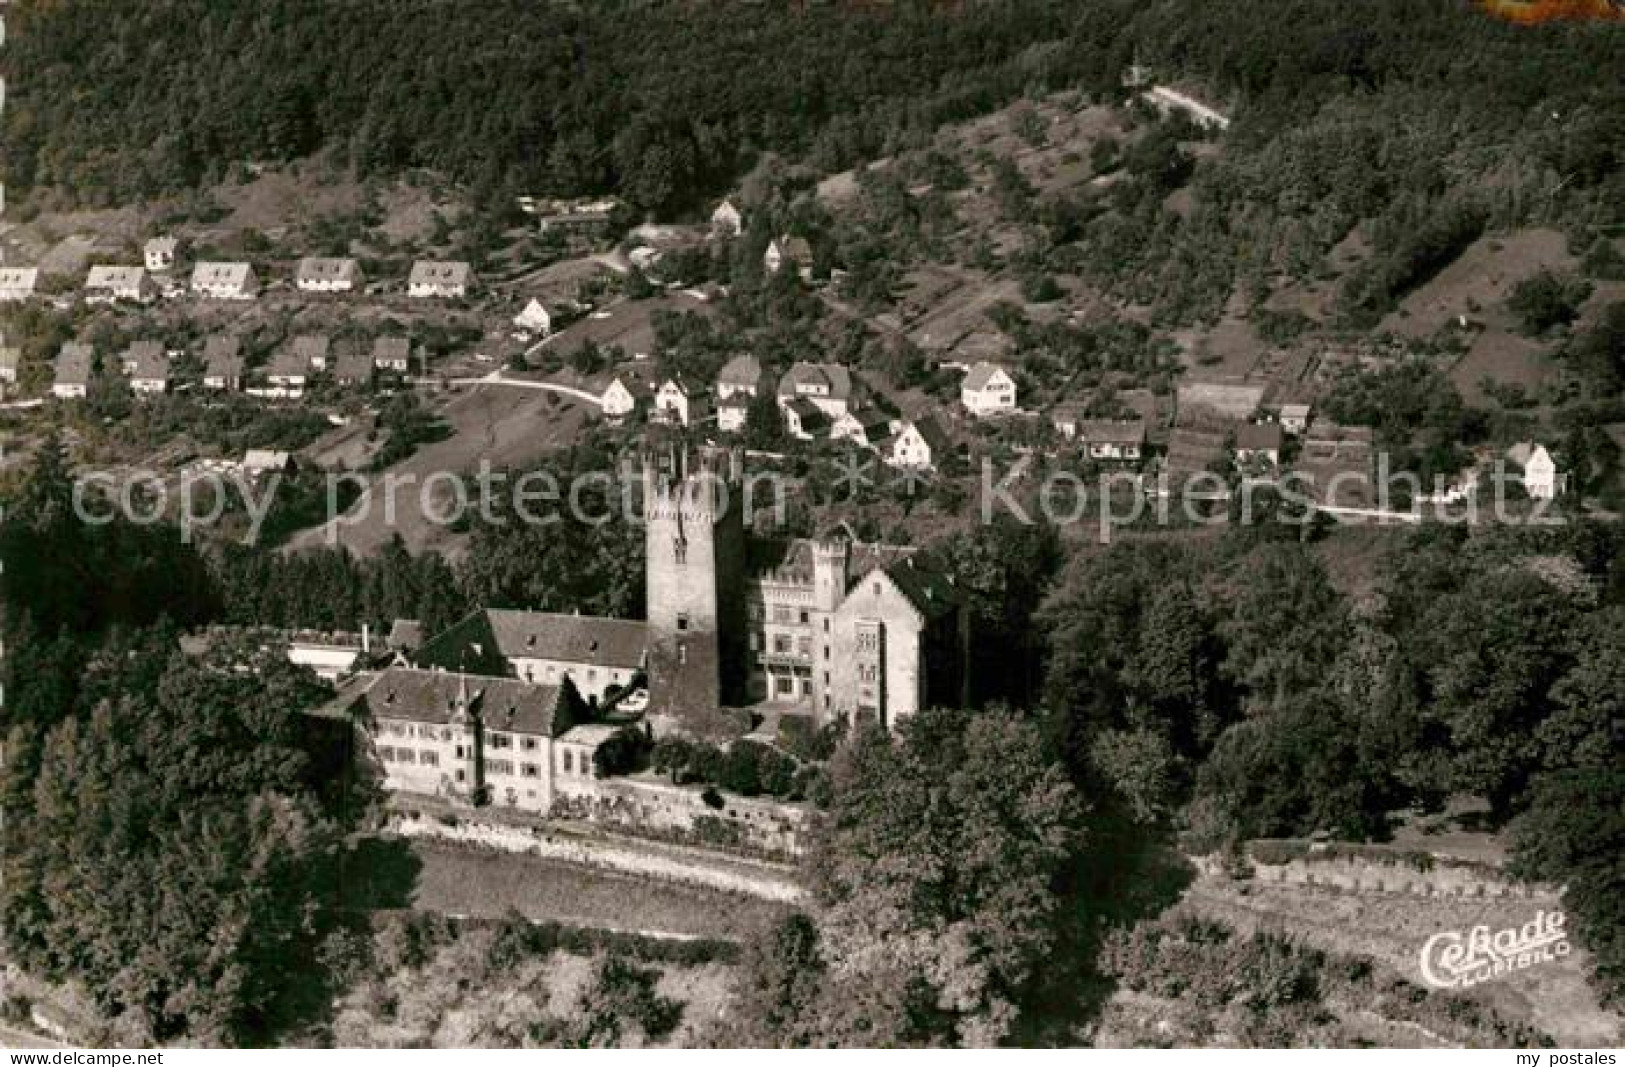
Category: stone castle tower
<point>695,545</point>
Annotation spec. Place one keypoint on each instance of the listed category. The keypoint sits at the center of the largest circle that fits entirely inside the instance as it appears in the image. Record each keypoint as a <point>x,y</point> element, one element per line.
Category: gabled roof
<point>266,459</point>
<point>808,414</point>
<point>232,274</point>
<point>1258,436</point>
<point>148,362</point>
<point>312,347</point>
<point>931,593</point>
<point>19,277</point>
<point>107,276</point>
<point>436,272</point>
<point>325,269</point>
<point>73,363</point>
<point>443,697</point>
<point>222,353</point>
<point>931,432</point>
<point>287,364</point>
<point>833,378</point>
<point>742,371</point>
<point>352,364</point>
<point>405,634</point>
<point>979,376</point>
<point>584,639</point>
<point>391,349</point>
<point>161,244</point>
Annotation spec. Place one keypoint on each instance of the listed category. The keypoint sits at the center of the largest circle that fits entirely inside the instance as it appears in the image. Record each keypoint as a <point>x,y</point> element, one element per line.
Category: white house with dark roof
<point>468,736</point>
<point>18,283</point>
<point>159,253</point>
<point>988,389</point>
<point>74,363</point>
<point>107,283</point>
<point>434,278</point>
<point>320,274</point>
<point>1259,442</point>
<point>225,281</point>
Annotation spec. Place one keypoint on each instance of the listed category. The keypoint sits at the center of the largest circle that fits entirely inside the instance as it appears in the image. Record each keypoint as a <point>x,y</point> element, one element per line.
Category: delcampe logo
<point>1457,960</point>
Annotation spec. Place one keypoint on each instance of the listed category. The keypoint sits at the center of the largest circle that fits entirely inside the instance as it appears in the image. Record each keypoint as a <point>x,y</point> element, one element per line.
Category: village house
<point>1295,418</point>
<point>74,363</point>
<point>259,462</point>
<point>353,366</point>
<point>1541,478</point>
<point>223,363</point>
<point>468,737</point>
<point>740,376</point>
<point>159,253</point>
<point>868,427</point>
<point>625,392</point>
<point>581,217</point>
<point>316,274</point>
<point>682,404</point>
<point>726,221</point>
<point>18,283</point>
<point>225,281</point>
<point>794,251</point>
<point>285,377</point>
<point>313,349</point>
<point>599,656</point>
<point>988,389</point>
<point>534,319</point>
<point>433,279</point>
<point>1258,443</point>
<point>393,354</point>
<point>106,284</point>
<point>826,386</point>
<point>1109,439</point>
<point>920,444</point>
<point>803,420</point>
<point>148,367</point>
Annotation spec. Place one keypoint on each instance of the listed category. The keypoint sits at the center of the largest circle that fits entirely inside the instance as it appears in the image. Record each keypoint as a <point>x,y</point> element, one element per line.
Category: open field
<point>459,881</point>
<point>505,426</point>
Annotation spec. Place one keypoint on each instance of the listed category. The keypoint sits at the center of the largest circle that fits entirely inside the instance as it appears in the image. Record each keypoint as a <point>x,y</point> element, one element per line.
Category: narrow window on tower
<point>682,621</point>
<point>679,549</point>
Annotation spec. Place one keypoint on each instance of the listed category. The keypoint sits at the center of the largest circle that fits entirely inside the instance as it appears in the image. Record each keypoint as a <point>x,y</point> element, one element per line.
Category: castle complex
<point>830,627</point>
<point>825,628</point>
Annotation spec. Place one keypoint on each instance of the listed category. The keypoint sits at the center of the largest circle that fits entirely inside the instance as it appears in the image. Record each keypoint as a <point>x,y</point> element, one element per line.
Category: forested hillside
<point>660,102</point>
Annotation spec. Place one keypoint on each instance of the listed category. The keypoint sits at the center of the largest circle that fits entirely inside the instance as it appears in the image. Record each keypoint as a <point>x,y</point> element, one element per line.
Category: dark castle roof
<point>501,703</point>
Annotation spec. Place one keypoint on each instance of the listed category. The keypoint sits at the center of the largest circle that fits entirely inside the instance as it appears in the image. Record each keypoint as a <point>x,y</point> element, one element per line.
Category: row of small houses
<point>149,366</point>
<point>429,279</point>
